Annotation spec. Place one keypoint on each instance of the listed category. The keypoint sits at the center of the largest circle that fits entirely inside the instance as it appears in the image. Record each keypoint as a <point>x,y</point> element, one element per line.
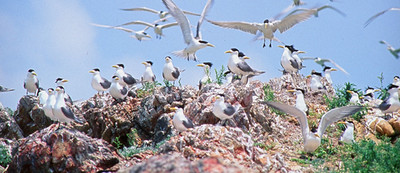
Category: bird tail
<point>256,73</point>
<point>183,54</point>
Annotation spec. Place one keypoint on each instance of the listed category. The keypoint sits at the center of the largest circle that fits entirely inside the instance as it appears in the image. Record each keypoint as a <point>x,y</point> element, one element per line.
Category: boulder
<point>381,126</point>
<point>9,129</point>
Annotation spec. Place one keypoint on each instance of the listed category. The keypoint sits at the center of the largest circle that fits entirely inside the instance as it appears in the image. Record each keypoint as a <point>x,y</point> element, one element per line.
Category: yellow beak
<point>57,89</point>
<point>144,63</point>
<point>281,46</point>
<point>33,73</point>
<point>211,45</point>
<point>349,91</point>
<point>65,80</point>
<point>115,66</point>
<point>333,69</point>
<point>246,57</point>
<point>301,51</point>
<point>200,65</point>
<point>341,122</point>
<point>91,71</point>
<point>291,91</point>
<point>228,51</point>
<point>173,108</point>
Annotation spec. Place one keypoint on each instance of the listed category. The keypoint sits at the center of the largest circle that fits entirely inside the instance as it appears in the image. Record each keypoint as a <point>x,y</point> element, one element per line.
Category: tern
<point>124,78</point>
<point>31,83</point>
<point>322,61</point>
<point>60,110</point>
<point>180,121</point>
<point>300,102</point>
<point>161,14</point>
<point>318,9</point>
<point>157,27</point>
<point>194,43</point>
<point>4,89</point>
<point>148,75</point>
<point>355,99</point>
<point>239,66</point>
<point>393,51</point>
<point>268,27</point>
<point>327,71</point>
<point>139,35</point>
<point>313,140</point>
<point>42,96</point>
<point>206,78</point>
<point>223,110</point>
<point>391,104</point>
<point>315,84</point>
<point>290,61</point>
<point>118,91</point>
<point>100,84</point>
<point>348,134</point>
<point>67,98</point>
<point>49,105</point>
<point>378,14</point>
<point>170,72</point>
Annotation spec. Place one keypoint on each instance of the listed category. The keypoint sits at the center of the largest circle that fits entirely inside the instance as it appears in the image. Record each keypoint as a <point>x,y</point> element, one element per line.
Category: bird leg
<point>264,43</point>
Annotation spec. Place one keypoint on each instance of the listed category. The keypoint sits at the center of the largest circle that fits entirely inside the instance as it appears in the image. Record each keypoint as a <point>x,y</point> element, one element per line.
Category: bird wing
<point>68,113</point>
<point>293,111</point>
<point>336,65</point>
<point>190,13</point>
<point>206,9</point>
<point>176,73</point>
<point>294,64</point>
<point>377,15</point>
<point>137,22</point>
<point>105,83</point>
<point>68,99</point>
<point>243,26</point>
<point>188,123</point>
<point>181,19</point>
<point>384,105</point>
<point>335,115</point>
<point>328,6</point>
<point>244,66</point>
<point>113,27</point>
<point>169,25</point>
<point>124,90</point>
<point>293,19</point>
<point>307,58</point>
<point>129,79</point>
<point>141,9</point>
<point>229,110</point>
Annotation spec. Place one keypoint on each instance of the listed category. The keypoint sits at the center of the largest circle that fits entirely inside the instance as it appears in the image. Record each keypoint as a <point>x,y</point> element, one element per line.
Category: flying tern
<point>157,27</point>
<point>161,14</point>
<point>139,35</point>
<point>322,61</point>
<point>378,14</point>
<point>393,51</point>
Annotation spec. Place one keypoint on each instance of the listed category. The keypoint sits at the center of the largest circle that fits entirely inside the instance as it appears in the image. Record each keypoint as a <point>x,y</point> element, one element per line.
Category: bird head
<point>60,81</point>
<point>168,59</point>
<point>326,69</point>
<point>32,72</point>
<point>147,63</point>
<point>119,66</point>
<point>50,90</point>
<point>396,79</point>
<point>95,71</point>
<point>206,43</point>
<point>232,50</point>
<point>115,78</point>
<point>60,89</point>
<point>243,56</point>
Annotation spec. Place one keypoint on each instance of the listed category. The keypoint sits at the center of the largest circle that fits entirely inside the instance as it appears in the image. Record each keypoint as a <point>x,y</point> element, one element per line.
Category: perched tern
<point>60,110</point>
<point>157,27</point>
<point>170,73</point>
<point>180,121</point>
<point>67,98</point>
<point>194,43</point>
<point>239,66</point>
<point>49,105</point>
<point>316,84</point>
<point>355,98</point>
<point>100,84</point>
<point>348,134</point>
<point>161,14</point>
<point>391,104</point>
<point>393,51</point>
<point>4,89</point>
<point>139,35</point>
<point>322,62</point>
<point>313,140</point>
<point>289,62</point>
<point>42,96</point>
<point>268,27</point>
<point>31,83</point>
<point>327,71</point>
<point>148,75</point>
<point>118,91</point>
<point>378,14</point>
<point>124,78</point>
<point>300,102</point>
<point>206,78</point>
<point>223,110</point>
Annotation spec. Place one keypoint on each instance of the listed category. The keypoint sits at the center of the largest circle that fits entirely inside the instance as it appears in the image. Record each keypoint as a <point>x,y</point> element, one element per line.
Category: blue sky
<point>56,39</point>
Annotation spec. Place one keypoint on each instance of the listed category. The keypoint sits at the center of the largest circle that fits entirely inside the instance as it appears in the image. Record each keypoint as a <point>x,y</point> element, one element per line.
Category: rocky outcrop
<point>9,129</point>
<point>62,149</point>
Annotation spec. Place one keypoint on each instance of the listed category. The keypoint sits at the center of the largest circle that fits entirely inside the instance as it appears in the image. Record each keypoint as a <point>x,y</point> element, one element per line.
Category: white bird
<point>4,89</point>
<point>61,82</point>
<point>118,91</point>
<point>289,62</point>
<point>170,73</point>
<point>313,140</point>
<point>124,78</point>
<point>393,51</point>
<point>31,83</point>
<point>391,104</point>
<point>322,61</point>
<point>194,43</point>
<point>355,99</point>
<point>206,78</point>
<point>60,110</point>
<point>348,134</point>
<point>49,105</point>
<point>268,27</point>
<point>100,84</point>
<point>157,27</point>
<point>161,14</point>
<point>180,121</point>
<point>148,75</point>
<point>316,84</point>
<point>300,102</point>
<point>327,71</point>
<point>317,10</point>
<point>396,80</point>
<point>369,94</point>
<point>239,66</point>
<point>378,14</point>
<point>42,96</point>
<point>223,110</point>
<point>139,35</point>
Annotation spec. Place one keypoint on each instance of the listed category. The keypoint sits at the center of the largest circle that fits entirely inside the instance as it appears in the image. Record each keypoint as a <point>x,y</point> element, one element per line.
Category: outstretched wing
<point>377,15</point>
<point>243,26</point>
<point>181,19</point>
<point>141,9</point>
<point>137,22</point>
<point>335,115</point>
<point>293,19</point>
<point>203,15</point>
<point>336,65</point>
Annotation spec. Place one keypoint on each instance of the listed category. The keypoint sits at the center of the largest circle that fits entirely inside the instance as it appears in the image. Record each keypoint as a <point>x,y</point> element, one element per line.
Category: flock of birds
<point>56,103</point>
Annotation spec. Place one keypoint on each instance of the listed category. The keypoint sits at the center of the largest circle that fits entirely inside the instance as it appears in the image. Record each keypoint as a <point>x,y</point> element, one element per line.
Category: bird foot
<point>263,45</point>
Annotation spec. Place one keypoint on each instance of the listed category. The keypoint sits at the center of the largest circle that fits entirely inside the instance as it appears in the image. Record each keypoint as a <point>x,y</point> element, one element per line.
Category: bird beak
<point>211,45</point>
<point>349,91</point>
<point>333,69</point>
<point>173,108</point>
<point>228,51</point>
<point>144,63</point>
<point>341,122</point>
<point>115,66</point>
<point>361,97</point>
<point>376,90</point>
<point>308,76</point>
<point>291,91</point>
<point>91,71</point>
<point>317,135</point>
<point>281,46</point>
<point>246,57</point>
<point>301,51</point>
<point>57,89</point>
<point>65,80</point>
<point>148,36</point>
<point>33,73</point>
<point>116,78</point>
<point>217,97</point>
<point>200,65</point>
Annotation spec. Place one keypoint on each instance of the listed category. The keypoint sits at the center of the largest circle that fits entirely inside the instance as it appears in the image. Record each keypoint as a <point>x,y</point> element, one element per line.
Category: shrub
<point>5,157</point>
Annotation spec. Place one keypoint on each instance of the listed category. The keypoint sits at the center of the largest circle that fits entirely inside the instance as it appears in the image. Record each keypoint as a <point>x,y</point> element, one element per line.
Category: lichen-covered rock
<point>9,129</point>
<point>62,150</point>
<point>381,126</point>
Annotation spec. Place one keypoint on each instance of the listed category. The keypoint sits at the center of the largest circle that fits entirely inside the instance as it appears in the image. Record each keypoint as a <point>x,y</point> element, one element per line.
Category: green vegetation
<point>5,157</point>
<point>133,137</point>
<point>269,96</point>
<point>117,142</point>
<point>147,89</point>
<point>134,149</point>
<point>342,96</point>
<point>264,146</point>
<point>383,93</point>
<point>219,75</point>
